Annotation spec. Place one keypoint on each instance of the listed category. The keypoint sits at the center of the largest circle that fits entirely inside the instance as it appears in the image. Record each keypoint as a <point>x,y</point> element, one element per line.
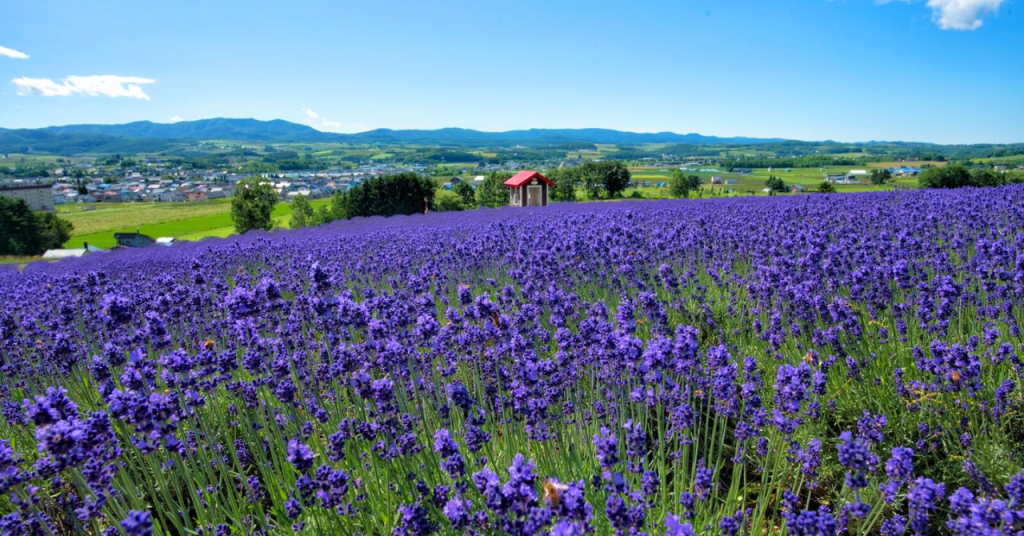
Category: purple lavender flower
<point>413,521</point>
<point>675,527</point>
<point>137,524</point>
<point>923,497</point>
<point>703,481</point>
<point>857,457</point>
<point>300,455</point>
<point>607,448</point>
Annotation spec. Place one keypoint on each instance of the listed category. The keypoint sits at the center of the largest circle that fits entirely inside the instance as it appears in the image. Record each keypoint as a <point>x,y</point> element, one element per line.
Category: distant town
<point>155,180</point>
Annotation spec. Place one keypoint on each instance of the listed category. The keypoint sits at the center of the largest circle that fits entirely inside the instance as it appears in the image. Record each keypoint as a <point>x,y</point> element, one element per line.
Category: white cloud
<point>11,53</point>
<point>958,14</point>
<point>92,86</point>
<point>175,119</point>
<point>325,124</point>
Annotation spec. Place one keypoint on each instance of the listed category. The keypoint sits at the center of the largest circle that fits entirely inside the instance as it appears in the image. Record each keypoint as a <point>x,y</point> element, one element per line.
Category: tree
<point>566,181</point>
<point>19,229</point>
<point>682,184</point>
<point>466,193</point>
<point>302,213</point>
<point>592,180</point>
<point>610,178</point>
<point>986,177</point>
<point>334,211</point>
<point>774,185</point>
<point>880,176</point>
<point>493,192</point>
<point>339,206</point>
<point>53,231</point>
<point>616,178</point>
<point>446,201</point>
<point>390,195</point>
<point>252,205</point>
<point>322,215</point>
<point>826,188</point>
<point>954,176</point>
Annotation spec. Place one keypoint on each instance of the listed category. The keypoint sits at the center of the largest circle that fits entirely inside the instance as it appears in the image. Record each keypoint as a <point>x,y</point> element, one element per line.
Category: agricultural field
<point>789,365</point>
<point>184,221</point>
<point>753,184</point>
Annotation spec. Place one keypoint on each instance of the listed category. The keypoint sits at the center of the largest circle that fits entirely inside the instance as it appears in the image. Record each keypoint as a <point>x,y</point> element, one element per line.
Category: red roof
<point>524,177</point>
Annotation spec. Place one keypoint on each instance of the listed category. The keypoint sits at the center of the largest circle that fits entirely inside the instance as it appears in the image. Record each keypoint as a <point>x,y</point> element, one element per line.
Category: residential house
<point>168,196</point>
<point>133,240</point>
<point>54,254</point>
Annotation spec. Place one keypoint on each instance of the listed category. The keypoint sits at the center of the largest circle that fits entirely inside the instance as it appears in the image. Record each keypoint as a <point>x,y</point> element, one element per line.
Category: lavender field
<point>808,365</point>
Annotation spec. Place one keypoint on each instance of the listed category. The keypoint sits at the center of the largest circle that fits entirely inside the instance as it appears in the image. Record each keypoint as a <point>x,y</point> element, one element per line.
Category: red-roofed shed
<point>528,189</point>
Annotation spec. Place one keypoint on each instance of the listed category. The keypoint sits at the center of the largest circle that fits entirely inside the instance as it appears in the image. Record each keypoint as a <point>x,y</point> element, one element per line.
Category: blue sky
<point>947,71</point>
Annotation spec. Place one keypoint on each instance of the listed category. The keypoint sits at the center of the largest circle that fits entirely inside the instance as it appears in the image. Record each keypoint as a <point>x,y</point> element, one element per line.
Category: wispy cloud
<point>175,119</point>
<point>327,124</point>
<point>92,86</point>
<point>958,14</point>
<point>11,53</point>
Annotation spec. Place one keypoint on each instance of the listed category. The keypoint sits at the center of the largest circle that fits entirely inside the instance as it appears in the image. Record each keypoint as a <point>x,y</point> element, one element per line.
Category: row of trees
<point>25,233</point>
<point>599,180</point>
<point>409,193</point>
<point>406,193</point>
<point>958,176</point>
<point>790,162</point>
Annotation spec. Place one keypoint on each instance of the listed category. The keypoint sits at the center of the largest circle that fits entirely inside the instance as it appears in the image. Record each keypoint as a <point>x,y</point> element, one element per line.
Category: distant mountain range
<point>145,136</point>
<point>204,129</point>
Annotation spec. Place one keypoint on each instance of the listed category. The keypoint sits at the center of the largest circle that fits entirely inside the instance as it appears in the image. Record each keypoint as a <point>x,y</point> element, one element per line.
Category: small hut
<point>528,189</point>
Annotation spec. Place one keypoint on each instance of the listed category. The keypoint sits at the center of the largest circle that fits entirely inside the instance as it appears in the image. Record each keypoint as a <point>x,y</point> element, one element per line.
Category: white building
<point>36,197</point>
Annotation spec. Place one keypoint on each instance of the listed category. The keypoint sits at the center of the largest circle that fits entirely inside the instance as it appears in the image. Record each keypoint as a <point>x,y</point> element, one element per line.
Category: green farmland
<point>184,221</point>
<point>753,184</point>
